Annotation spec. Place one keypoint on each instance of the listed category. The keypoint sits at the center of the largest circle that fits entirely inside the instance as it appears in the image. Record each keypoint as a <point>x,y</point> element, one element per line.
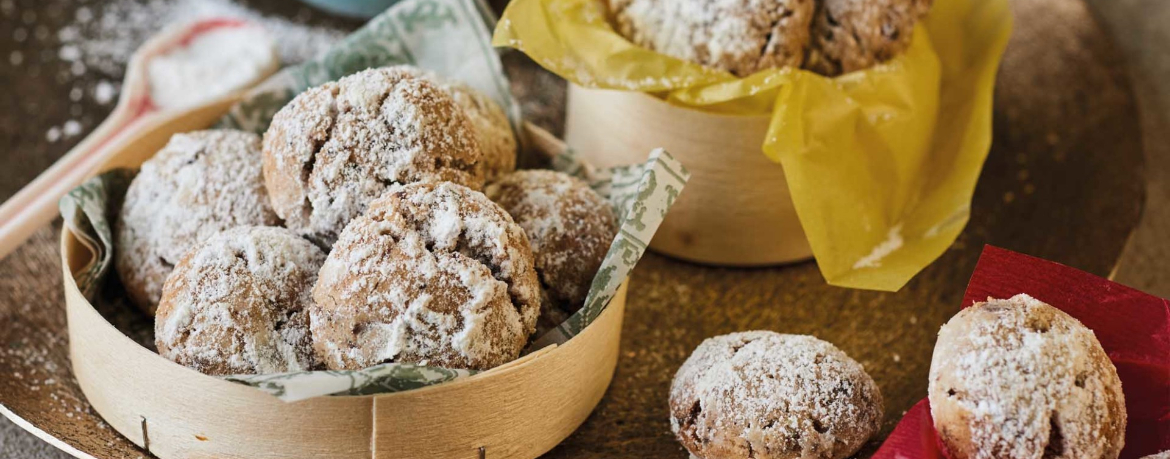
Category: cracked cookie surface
<point>763,395</point>
<point>197,185</point>
<point>433,273</point>
<point>337,147</point>
<point>739,36</point>
<point>1018,378</point>
<point>238,304</point>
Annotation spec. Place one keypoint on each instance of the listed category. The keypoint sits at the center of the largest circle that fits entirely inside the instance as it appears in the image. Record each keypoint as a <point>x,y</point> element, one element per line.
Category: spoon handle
<point>36,204</point>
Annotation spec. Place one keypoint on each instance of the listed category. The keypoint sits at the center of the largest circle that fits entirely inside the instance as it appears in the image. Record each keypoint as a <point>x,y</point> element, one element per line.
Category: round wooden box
<point>521,409</point>
<point>736,209</point>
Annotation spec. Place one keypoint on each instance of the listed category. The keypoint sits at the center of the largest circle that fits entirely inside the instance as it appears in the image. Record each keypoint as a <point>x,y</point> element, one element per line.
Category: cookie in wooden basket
<point>199,184</point>
<point>336,147</point>
<point>433,273</point>
<point>492,129</point>
<point>1018,378</point>
<point>768,395</point>
<point>570,227</point>
<point>238,304</point>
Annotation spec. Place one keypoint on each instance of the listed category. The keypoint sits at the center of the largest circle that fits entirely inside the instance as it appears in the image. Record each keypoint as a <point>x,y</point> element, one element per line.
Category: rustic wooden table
<point>1064,181</point>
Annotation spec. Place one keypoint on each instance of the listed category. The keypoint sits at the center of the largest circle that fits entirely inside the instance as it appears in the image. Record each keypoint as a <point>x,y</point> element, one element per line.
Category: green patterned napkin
<point>449,37</point>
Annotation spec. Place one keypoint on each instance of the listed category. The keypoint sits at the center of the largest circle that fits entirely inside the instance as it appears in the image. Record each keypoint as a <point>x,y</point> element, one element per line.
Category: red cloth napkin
<point>1133,327</point>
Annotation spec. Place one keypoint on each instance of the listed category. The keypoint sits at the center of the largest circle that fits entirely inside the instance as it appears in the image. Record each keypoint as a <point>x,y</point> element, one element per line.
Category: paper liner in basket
<point>1133,327</point>
<point>449,37</point>
<point>881,163</point>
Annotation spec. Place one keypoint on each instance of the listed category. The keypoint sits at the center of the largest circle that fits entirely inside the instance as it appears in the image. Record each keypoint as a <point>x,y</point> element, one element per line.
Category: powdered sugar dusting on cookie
<point>764,394</point>
<point>434,273</point>
<point>1018,378</point>
<point>200,183</point>
<point>569,225</point>
<point>237,304</point>
<point>740,36</point>
<point>337,147</point>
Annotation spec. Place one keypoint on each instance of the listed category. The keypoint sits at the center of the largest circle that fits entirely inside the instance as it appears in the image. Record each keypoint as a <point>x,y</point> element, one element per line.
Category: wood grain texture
<point>1063,181</point>
<point>735,211</point>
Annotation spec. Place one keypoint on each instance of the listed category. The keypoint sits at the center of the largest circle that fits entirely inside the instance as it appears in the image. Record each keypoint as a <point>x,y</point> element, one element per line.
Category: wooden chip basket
<point>736,209</point>
<point>521,409</point>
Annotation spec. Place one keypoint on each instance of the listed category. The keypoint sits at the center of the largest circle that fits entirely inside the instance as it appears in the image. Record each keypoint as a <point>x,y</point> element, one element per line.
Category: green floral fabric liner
<point>451,38</point>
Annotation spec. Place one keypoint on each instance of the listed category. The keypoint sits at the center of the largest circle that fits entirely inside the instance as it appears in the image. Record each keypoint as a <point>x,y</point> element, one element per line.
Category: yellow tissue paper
<point>881,163</point>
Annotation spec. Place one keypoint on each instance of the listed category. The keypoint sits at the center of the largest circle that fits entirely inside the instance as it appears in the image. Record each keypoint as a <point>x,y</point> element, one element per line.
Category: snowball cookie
<point>739,36</point>
<point>238,304</point>
<point>766,395</point>
<point>849,35</point>
<point>569,225</point>
<point>338,146</point>
<point>1018,378</point>
<point>199,184</point>
<point>492,129</point>
<point>433,273</point>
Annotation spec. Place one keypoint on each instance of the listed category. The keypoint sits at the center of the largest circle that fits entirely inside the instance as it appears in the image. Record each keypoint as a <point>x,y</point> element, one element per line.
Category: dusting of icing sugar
<point>237,304</point>
<point>200,183</point>
<point>893,242</point>
<point>569,226</point>
<point>1018,378</point>
<point>433,273</point>
<point>764,394</point>
<point>213,64</point>
<point>337,147</point>
<point>739,36</point>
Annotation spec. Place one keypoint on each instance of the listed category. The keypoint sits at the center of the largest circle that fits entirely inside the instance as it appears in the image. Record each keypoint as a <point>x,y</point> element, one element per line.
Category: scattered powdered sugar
<point>238,304</point>
<point>106,38</point>
<point>433,273</point>
<point>102,38</point>
<point>885,248</point>
<point>212,64</point>
<point>1018,378</point>
<point>200,183</point>
<point>337,147</point>
<point>772,395</point>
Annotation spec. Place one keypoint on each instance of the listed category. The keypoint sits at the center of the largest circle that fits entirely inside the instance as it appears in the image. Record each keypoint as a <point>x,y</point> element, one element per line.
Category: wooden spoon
<point>36,204</point>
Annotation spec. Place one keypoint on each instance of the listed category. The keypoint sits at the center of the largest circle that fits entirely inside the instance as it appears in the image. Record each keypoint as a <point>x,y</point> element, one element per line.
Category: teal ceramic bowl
<point>358,9</point>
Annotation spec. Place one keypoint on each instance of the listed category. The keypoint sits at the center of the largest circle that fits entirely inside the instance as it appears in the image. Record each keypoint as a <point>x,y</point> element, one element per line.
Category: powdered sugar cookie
<point>739,36</point>
<point>199,184</point>
<point>569,225</point>
<point>1018,378</point>
<point>432,273</point>
<point>767,395</point>
<point>849,35</point>
<point>337,147</point>
<point>238,304</point>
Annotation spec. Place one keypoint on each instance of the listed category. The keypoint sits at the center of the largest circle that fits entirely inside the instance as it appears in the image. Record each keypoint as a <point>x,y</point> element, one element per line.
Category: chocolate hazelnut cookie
<point>337,147</point>
<point>433,273</point>
<point>199,184</point>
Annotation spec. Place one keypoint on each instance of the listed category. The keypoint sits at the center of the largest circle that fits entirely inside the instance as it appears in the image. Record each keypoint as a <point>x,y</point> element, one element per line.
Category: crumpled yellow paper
<point>881,163</point>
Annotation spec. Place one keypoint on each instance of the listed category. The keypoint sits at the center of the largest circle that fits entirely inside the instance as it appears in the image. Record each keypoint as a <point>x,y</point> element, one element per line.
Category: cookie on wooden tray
<point>337,147</point>
<point>850,35</point>
<point>199,184</point>
<point>1018,378</point>
<point>768,395</point>
<point>569,225</point>
<point>238,304</point>
<point>739,36</point>
<point>492,129</point>
<point>432,273</point>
